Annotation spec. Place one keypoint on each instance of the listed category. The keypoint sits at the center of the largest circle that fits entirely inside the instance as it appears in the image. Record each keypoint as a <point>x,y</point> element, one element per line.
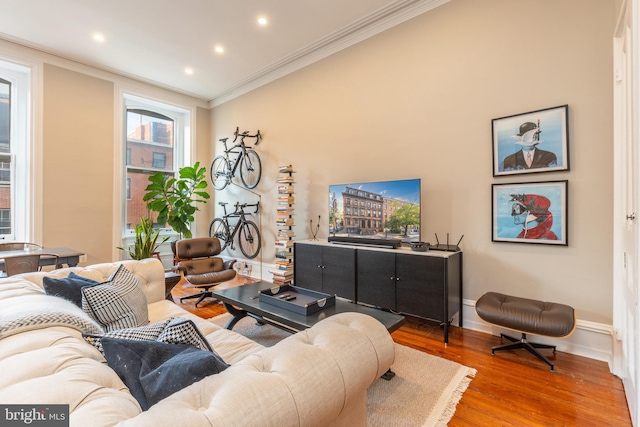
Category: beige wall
<point>81,186</point>
<point>417,101</point>
<point>204,151</point>
<point>78,170</point>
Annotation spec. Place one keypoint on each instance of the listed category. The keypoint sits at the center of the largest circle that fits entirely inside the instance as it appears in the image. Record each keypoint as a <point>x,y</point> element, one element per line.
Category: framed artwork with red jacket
<point>533,212</point>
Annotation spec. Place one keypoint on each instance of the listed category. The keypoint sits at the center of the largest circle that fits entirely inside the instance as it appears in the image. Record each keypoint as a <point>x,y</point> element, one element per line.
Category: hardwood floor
<point>512,388</point>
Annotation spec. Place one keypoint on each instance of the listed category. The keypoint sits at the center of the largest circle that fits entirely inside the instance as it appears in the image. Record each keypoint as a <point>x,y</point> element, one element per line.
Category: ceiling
<point>157,40</point>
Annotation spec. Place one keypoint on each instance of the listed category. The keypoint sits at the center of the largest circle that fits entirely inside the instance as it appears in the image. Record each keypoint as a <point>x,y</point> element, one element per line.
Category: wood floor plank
<point>511,388</point>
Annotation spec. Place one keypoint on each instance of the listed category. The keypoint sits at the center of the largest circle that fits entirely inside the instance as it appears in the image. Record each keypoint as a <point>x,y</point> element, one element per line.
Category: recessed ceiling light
<point>98,37</point>
<point>188,70</point>
<point>262,20</point>
<point>219,49</point>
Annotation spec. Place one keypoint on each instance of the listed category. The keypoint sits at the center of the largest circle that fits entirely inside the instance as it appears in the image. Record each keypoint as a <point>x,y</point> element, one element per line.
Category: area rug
<point>424,392</point>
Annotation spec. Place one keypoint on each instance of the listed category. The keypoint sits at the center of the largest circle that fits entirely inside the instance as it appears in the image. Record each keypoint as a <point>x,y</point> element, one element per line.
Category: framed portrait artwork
<point>533,212</point>
<point>532,142</point>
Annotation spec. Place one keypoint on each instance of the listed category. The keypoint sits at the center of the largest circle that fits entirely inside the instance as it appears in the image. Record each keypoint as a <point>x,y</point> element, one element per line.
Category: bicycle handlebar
<point>245,134</point>
<point>247,205</point>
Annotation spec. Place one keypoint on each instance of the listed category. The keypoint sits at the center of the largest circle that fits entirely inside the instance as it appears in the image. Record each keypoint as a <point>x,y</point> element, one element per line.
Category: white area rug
<point>424,392</point>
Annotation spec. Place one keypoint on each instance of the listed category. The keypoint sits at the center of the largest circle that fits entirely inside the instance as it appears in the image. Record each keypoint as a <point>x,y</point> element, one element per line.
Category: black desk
<point>242,301</point>
<point>66,256</point>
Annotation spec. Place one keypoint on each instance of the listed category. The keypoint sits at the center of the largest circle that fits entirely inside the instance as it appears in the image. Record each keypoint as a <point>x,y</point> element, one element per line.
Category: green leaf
<point>175,199</point>
<point>146,240</point>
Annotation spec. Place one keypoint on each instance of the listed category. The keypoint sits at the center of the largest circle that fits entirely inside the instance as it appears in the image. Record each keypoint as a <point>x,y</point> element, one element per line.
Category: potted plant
<point>146,241</point>
<point>175,199</point>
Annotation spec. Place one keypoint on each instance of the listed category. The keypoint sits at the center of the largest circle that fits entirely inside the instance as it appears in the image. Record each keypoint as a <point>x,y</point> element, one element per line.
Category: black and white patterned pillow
<point>118,303</point>
<point>183,331</point>
<point>142,333</point>
<point>176,330</point>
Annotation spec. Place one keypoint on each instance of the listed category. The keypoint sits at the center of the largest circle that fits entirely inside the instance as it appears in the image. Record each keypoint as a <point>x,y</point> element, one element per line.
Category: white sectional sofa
<point>316,377</point>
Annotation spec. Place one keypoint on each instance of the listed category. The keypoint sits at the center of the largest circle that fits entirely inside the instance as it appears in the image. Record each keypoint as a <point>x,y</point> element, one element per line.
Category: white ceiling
<point>155,40</point>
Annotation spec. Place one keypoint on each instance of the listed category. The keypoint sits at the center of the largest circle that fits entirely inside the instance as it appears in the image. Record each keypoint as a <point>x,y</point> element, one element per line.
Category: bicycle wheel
<point>250,169</point>
<point>220,229</point>
<point>249,239</point>
<point>220,173</point>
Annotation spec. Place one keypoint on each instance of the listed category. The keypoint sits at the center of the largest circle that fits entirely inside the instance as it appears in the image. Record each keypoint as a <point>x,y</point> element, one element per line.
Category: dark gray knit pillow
<point>68,287</point>
<point>153,370</point>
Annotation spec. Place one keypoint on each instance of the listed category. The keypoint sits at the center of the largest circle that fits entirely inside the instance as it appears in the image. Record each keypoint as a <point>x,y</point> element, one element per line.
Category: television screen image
<point>375,211</point>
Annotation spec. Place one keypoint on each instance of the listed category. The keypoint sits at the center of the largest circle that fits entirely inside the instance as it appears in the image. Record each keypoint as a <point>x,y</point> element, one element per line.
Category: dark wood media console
<point>421,284</point>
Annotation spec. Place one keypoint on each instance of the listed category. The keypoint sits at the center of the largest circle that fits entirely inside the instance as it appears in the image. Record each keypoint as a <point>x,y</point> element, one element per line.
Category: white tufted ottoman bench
<point>526,316</point>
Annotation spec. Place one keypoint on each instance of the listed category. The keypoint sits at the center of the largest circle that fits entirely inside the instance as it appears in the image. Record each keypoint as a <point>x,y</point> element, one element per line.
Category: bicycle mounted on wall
<point>249,239</point>
<point>223,167</point>
<point>241,158</point>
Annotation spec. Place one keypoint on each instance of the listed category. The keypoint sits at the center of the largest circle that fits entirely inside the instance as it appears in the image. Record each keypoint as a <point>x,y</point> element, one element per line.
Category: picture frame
<point>542,134</point>
<point>530,212</point>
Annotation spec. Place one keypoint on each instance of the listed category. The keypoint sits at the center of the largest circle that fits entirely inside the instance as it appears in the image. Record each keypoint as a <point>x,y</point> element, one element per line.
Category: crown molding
<point>13,49</point>
<point>362,29</point>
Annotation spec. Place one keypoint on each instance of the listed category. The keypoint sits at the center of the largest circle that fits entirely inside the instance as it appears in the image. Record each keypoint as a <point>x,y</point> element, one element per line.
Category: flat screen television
<point>384,213</point>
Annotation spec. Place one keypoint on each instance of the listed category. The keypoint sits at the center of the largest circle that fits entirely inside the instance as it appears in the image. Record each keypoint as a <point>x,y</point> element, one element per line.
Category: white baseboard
<point>590,339</point>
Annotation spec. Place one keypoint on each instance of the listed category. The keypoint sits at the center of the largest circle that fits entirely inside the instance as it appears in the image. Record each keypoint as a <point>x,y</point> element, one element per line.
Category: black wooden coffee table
<point>242,301</point>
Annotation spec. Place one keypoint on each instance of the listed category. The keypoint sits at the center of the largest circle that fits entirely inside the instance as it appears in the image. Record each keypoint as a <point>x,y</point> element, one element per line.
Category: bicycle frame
<point>237,213</point>
<point>239,158</point>
<point>243,148</point>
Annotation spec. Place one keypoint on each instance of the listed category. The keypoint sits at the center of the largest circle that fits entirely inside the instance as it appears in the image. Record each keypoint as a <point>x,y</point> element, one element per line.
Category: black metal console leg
<point>446,333</point>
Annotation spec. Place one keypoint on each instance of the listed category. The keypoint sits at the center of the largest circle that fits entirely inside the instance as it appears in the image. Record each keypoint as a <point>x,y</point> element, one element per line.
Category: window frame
<point>23,215</point>
<point>182,146</point>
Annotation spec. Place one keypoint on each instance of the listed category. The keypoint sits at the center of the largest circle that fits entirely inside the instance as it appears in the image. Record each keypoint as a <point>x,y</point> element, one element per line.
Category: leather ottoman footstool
<point>526,316</point>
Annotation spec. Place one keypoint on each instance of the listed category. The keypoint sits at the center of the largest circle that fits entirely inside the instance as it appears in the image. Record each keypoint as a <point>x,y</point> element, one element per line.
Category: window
<point>149,135</point>
<point>5,171</point>
<point>154,142</point>
<point>5,221</point>
<point>15,191</point>
<point>5,157</point>
<point>159,160</point>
